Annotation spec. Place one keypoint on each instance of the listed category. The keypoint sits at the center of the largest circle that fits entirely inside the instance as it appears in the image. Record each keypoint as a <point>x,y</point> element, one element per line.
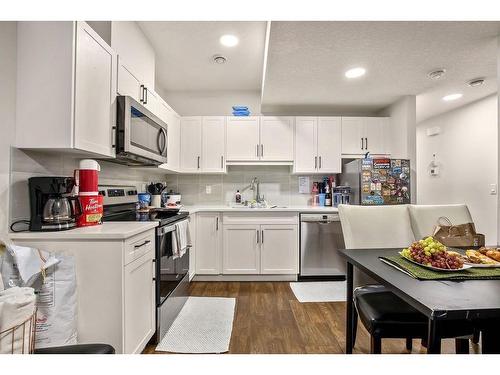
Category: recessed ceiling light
<point>476,82</point>
<point>355,72</point>
<point>450,97</point>
<point>219,59</point>
<point>436,74</point>
<point>229,40</point>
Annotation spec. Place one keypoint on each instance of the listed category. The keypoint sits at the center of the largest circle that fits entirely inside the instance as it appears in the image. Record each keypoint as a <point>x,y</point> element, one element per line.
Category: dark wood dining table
<point>439,300</point>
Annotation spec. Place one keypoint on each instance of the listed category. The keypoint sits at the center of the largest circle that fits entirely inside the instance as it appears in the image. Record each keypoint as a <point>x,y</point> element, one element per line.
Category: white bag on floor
<point>56,297</point>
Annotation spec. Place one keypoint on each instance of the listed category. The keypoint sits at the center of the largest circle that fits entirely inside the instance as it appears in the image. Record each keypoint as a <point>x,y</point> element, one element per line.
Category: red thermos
<point>87,180</point>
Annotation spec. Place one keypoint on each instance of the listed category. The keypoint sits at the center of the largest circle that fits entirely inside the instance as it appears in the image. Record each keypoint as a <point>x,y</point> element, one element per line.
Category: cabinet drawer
<point>139,245</point>
<point>260,218</point>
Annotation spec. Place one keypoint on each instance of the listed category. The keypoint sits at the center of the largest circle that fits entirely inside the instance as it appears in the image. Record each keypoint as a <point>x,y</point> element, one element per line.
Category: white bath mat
<point>319,291</point>
<point>204,325</point>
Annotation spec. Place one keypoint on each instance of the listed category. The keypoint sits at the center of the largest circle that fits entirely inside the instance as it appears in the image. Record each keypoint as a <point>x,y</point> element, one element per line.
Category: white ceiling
<point>307,60</point>
<point>184,53</point>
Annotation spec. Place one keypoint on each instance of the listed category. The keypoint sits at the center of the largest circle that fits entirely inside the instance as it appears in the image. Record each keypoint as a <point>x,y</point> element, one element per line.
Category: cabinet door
<point>375,134</point>
<point>192,250</point>
<point>128,84</point>
<point>276,138</point>
<point>241,249</point>
<point>208,254</point>
<point>279,249</point>
<point>95,92</point>
<point>352,135</point>
<point>329,145</point>
<point>173,122</point>
<point>191,144</point>
<point>242,138</point>
<point>139,303</point>
<point>306,158</point>
<point>213,131</point>
<point>152,101</point>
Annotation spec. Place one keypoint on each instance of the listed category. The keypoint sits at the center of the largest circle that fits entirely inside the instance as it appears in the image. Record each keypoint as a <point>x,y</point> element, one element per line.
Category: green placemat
<point>423,273</point>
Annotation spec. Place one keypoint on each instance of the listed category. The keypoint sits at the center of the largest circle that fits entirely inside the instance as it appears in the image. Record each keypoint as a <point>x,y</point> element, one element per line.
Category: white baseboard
<point>245,277</point>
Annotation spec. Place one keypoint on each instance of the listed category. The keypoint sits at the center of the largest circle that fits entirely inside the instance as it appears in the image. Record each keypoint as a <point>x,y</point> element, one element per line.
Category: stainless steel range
<point>172,275</point>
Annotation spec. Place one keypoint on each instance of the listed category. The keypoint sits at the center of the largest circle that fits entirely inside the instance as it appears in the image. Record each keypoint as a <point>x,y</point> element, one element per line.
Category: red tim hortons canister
<point>87,180</point>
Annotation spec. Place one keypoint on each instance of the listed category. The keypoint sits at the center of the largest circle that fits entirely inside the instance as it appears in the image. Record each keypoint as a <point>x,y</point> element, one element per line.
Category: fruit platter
<point>432,254</point>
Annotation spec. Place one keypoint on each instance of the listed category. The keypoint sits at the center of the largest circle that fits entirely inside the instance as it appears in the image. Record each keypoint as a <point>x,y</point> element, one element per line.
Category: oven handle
<point>167,229</point>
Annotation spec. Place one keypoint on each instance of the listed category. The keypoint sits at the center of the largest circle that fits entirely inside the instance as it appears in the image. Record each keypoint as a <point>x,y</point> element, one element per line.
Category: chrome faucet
<point>255,187</point>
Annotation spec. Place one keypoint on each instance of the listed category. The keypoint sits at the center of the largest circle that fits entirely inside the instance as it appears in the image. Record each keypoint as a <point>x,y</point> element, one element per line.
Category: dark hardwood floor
<point>269,319</point>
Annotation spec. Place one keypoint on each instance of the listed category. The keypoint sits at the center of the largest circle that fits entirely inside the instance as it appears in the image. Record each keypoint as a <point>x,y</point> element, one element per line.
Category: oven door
<point>141,136</point>
<point>169,271</point>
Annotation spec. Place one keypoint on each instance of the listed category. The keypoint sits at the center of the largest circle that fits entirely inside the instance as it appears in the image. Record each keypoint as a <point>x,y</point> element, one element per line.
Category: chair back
<point>425,217</point>
<point>372,227</point>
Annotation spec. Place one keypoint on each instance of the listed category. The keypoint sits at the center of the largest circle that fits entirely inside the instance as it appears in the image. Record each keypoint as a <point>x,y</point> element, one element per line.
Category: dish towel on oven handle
<point>181,240</point>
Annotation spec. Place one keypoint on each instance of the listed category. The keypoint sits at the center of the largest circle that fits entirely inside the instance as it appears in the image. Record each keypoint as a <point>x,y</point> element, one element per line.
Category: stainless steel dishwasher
<point>320,238</point>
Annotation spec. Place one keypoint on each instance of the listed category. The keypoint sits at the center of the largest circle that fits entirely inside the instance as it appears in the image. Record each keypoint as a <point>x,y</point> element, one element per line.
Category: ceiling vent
<point>219,59</point>
<point>436,74</point>
<point>475,82</point>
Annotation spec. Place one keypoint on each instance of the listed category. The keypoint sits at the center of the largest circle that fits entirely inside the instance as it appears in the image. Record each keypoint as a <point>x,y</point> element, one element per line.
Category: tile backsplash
<point>277,184</point>
<point>26,164</point>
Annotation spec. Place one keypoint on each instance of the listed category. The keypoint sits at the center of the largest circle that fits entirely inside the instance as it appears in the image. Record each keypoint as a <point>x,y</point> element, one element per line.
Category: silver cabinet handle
<point>261,150</point>
<point>366,143</point>
<point>141,99</point>
<point>320,162</point>
<point>315,162</point>
<point>262,237</point>
<point>217,223</point>
<point>113,137</point>
<point>258,236</point>
<point>362,144</point>
<point>145,95</point>
<point>257,150</point>
<point>222,162</point>
<point>198,162</point>
<point>142,244</point>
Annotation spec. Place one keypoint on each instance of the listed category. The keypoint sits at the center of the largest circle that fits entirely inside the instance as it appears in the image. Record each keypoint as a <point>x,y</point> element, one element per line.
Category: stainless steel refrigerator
<point>378,181</point>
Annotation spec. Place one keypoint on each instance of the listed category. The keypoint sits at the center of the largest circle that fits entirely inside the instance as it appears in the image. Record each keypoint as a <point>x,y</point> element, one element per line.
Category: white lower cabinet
<point>115,286</point>
<point>208,243</point>
<point>263,244</point>
<point>241,249</point>
<point>139,292</point>
<point>279,249</point>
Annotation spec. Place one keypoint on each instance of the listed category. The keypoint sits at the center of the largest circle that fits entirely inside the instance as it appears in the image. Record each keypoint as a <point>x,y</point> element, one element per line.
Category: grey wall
<point>7,114</point>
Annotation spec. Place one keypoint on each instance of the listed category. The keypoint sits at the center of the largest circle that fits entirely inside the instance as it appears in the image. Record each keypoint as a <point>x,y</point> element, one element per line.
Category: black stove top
<point>130,213</point>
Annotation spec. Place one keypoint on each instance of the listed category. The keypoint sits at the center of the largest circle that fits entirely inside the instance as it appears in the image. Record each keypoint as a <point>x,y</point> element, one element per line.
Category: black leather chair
<point>385,315</point>
<point>78,349</point>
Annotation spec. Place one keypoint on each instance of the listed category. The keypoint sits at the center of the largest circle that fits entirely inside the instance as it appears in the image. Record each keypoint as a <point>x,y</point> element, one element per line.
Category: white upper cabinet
<point>190,144</point>
<point>66,88</point>
<point>305,145</point>
<point>329,145</point>
<point>276,138</point>
<point>203,144</point>
<point>128,83</point>
<point>213,144</point>
<point>364,134</point>
<point>173,121</point>
<point>264,139</point>
<point>243,138</point>
<point>317,145</point>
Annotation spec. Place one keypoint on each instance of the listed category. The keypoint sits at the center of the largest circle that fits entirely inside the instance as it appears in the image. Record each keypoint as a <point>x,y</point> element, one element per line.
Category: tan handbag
<point>461,235</point>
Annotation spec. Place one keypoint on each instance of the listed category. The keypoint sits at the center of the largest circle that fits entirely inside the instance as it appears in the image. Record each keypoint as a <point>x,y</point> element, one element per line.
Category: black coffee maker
<point>53,207</point>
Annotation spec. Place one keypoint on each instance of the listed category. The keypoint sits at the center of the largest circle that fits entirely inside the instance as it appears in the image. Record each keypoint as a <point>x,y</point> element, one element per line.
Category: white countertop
<point>225,208</point>
<point>106,231</point>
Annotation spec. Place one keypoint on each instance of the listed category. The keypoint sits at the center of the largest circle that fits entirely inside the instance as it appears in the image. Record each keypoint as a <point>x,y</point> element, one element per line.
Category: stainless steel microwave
<point>141,136</point>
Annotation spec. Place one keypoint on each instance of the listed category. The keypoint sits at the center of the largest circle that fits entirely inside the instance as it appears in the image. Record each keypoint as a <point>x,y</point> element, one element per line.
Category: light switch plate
<point>208,189</point>
<point>493,189</point>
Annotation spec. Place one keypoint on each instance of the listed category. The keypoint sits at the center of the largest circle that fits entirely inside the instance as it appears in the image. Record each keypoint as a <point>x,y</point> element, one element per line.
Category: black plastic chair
<point>385,315</point>
<point>78,349</point>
